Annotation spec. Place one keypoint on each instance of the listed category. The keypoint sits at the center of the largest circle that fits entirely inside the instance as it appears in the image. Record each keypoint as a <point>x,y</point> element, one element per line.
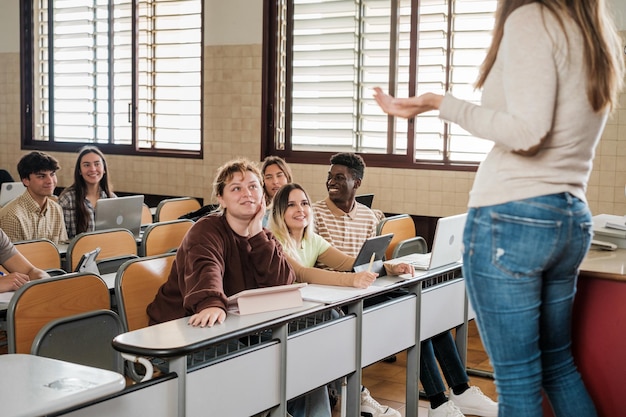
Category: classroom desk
<point>291,362</point>
<point>598,320</point>
<point>35,386</point>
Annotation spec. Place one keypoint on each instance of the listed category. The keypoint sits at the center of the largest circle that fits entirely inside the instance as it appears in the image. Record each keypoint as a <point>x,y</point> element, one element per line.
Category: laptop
<point>447,245</point>
<point>124,212</point>
<point>372,254</point>
<point>10,191</point>
<point>365,199</point>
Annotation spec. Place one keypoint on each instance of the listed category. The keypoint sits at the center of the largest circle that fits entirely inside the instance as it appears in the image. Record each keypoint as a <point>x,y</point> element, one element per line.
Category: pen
<point>369,268</point>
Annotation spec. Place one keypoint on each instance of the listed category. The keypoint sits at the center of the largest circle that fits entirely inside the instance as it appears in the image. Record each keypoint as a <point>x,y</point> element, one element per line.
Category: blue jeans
<point>521,264</point>
<point>443,348</point>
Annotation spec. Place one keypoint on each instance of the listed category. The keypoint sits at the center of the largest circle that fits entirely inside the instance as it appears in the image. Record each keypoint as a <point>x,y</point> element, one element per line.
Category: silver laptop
<point>447,245</point>
<point>10,191</point>
<point>124,212</point>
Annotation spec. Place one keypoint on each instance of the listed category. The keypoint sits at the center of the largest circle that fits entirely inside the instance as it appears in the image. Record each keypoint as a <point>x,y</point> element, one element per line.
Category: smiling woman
<point>91,183</point>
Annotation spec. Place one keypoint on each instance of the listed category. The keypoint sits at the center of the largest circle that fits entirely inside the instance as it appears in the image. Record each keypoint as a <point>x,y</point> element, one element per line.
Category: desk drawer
<point>443,308</point>
<point>388,328</point>
<point>218,389</point>
<point>321,355</point>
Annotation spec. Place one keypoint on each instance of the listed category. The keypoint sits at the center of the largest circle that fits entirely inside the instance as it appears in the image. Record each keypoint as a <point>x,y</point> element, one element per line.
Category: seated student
<point>223,253</point>
<point>276,173</point>
<point>34,215</point>
<point>91,183</point>
<point>20,269</point>
<point>292,224</point>
<point>346,224</point>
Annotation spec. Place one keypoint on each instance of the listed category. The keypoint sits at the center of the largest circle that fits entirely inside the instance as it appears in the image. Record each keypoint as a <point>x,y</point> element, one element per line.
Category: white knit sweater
<point>537,87</point>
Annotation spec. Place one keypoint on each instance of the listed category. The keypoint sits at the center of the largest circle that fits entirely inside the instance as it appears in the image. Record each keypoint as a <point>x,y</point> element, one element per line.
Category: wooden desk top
<point>605,264</point>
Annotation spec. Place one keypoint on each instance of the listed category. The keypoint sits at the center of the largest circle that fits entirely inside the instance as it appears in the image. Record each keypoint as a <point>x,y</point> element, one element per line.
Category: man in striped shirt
<point>339,218</point>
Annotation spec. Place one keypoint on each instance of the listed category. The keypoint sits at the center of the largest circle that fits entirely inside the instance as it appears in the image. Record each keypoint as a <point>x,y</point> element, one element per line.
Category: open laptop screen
<point>124,212</point>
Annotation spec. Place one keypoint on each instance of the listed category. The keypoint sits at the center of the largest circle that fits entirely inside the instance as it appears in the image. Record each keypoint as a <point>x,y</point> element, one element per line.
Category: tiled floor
<point>386,381</point>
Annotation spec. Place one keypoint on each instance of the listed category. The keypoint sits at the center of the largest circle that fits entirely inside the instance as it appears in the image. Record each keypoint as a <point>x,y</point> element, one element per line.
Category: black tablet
<point>373,251</point>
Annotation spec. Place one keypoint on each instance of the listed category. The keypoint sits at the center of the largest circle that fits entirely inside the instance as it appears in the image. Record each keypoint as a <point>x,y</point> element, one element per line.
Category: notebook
<point>124,212</point>
<point>447,245</point>
<point>10,191</point>
<point>373,251</point>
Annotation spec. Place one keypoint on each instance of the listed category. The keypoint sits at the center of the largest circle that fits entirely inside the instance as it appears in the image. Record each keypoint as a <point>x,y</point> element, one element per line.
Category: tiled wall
<point>232,120</point>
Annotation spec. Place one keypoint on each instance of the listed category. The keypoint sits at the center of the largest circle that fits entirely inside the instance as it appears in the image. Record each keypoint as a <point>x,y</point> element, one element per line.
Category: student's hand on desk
<point>363,279</point>
<point>208,317</point>
<point>399,269</point>
<point>13,281</point>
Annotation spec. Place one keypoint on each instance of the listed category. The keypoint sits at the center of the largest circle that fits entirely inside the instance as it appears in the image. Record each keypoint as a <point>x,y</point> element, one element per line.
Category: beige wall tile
<point>232,122</point>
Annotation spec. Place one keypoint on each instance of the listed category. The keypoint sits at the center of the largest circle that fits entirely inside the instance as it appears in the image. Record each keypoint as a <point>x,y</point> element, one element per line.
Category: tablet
<point>87,262</point>
<point>375,246</point>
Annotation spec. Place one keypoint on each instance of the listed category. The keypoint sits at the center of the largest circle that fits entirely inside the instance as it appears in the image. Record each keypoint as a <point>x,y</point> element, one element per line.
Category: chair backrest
<point>136,285</point>
<point>173,208</point>
<point>163,237</point>
<point>83,338</point>
<point>402,227</point>
<point>41,301</point>
<point>42,253</point>
<point>112,243</point>
<point>146,214</point>
<point>416,244</point>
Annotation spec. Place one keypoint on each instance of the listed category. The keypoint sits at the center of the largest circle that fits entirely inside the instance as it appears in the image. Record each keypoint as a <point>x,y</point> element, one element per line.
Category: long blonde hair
<point>604,63</point>
<point>277,220</point>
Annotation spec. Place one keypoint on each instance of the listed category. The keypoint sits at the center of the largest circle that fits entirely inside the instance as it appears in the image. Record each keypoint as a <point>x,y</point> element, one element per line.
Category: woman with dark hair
<point>91,183</point>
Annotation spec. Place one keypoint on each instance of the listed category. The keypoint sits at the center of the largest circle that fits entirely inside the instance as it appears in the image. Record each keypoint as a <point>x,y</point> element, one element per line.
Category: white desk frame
<point>35,386</point>
<point>174,340</point>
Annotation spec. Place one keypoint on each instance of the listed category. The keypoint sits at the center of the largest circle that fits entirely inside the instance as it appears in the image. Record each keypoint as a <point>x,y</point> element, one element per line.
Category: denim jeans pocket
<point>522,246</point>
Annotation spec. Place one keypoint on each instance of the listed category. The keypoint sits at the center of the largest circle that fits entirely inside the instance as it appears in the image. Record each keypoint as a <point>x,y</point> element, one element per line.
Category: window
<point>122,74</point>
<point>327,56</point>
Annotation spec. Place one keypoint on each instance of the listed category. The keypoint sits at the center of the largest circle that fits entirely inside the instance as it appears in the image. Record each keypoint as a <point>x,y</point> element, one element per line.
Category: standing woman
<point>91,183</point>
<point>551,76</point>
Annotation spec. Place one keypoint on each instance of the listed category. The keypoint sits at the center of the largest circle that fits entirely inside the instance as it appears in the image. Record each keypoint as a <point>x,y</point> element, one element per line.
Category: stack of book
<point>610,228</point>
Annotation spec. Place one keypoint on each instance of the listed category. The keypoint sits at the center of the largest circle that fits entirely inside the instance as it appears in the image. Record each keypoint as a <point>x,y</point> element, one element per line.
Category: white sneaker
<point>371,408</point>
<point>447,409</point>
<point>474,402</point>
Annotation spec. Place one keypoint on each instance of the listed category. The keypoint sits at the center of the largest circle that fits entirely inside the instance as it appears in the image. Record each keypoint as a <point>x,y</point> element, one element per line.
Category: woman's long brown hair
<point>604,63</point>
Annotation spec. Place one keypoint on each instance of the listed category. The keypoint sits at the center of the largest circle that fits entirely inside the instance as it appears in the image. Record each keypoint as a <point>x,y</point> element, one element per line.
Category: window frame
<point>269,97</point>
<point>27,73</point>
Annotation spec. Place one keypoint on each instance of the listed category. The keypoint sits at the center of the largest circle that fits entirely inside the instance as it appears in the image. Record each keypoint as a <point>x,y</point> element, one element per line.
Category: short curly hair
<point>354,162</point>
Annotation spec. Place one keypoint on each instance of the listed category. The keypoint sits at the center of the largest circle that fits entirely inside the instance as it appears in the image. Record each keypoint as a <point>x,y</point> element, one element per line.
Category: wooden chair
<point>163,237</point>
<point>146,215</point>
<point>113,243</point>
<point>39,302</point>
<point>173,208</point>
<point>402,227</point>
<point>42,253</point>
<point>416,244</point>
<point>136,284</point>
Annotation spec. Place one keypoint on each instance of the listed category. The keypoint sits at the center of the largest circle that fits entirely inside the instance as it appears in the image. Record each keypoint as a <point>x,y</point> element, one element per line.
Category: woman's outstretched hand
<point>407,107</point>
